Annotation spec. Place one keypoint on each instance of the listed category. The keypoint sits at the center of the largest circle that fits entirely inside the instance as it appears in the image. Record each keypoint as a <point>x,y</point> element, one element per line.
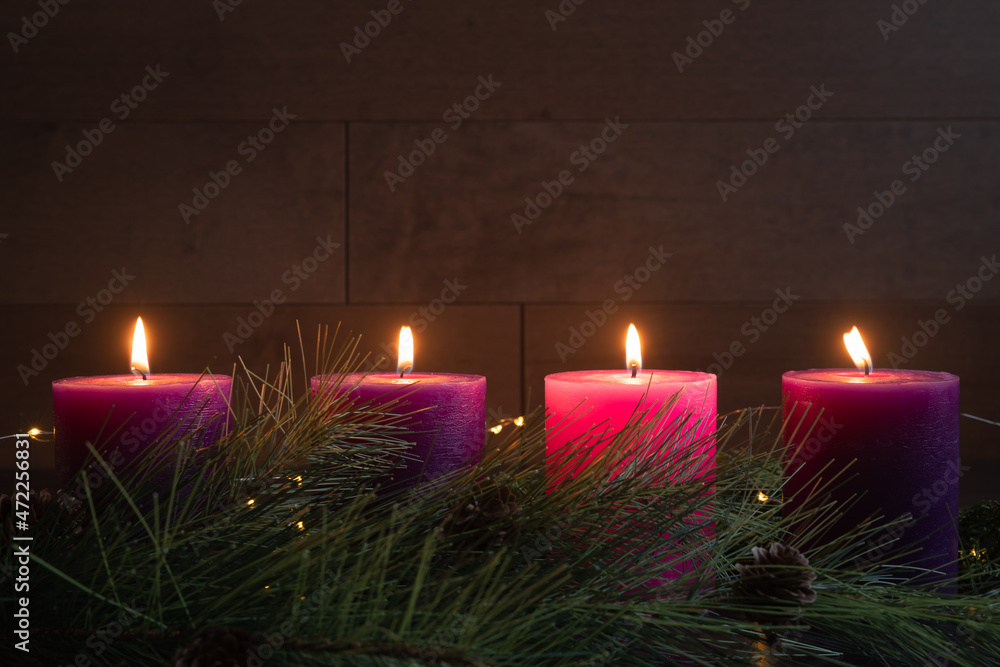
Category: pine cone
<point>779,574</point>
<point>502,504</point>
<point>219,646</point>
<point>252,487</point>
<point>494,510</point>
<point>6,517</point>
<point>38,503</point>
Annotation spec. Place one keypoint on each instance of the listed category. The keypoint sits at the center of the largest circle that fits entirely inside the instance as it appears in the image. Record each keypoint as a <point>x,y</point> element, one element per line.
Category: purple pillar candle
<point>122,414</point>
<point>894,434</point>
<point>449,430</point>
<point>444,414</point>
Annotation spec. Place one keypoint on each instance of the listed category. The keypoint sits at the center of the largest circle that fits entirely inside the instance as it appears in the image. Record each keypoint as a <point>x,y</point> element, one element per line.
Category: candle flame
<point>633,350</point>
<point>858,351</point>
<point>140,360</point>
<point>404,364</point>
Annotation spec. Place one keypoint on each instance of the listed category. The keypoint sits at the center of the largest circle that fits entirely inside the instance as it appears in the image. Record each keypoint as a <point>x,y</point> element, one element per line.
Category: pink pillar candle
<point>587,409</point>
<point>601,403</point>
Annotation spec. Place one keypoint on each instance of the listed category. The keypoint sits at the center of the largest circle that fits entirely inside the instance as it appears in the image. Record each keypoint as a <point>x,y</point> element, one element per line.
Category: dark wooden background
<point>655,185</point>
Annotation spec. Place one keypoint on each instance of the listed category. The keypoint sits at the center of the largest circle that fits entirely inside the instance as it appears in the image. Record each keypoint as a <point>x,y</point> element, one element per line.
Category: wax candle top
<point>881,376</point>
<point>158,380</point>
<point>625,378</point>
<point>394,379</point>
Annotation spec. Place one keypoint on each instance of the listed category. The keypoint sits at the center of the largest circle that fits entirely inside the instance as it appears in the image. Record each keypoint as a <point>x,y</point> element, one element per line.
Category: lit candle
<point>586,409</point>
<point>121,414</point>
<point>444,413</point>
<point>890,437</point>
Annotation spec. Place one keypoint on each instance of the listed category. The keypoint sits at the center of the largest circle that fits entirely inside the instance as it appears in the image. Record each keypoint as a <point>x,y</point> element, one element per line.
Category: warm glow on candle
<point>633,351</point>
<point>404,363</point>
<point>858,351</point>
<point>140,360</point>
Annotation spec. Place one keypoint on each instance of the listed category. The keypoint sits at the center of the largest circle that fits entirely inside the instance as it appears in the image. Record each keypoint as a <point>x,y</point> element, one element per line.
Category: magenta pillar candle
<point>578,402</point>
<point>587,409</point>
<point>901,429</point>
<point>448,433</point>
<point>122,414</point>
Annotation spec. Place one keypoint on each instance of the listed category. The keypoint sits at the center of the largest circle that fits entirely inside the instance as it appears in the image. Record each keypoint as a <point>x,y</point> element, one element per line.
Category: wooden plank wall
<point>581,112</point>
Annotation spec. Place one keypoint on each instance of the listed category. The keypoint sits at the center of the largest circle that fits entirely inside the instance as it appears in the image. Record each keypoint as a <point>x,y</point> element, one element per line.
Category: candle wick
<point>401,374</point>
<point>868,368</point>
<point>143,375</point>
<point>635,369</point>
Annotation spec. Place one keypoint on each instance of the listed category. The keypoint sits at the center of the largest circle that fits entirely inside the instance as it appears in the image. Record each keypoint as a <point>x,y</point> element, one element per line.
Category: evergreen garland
<point>276,546</point>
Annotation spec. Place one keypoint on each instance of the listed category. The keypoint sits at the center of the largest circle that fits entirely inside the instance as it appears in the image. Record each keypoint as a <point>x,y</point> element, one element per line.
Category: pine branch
<point>284,527</point>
